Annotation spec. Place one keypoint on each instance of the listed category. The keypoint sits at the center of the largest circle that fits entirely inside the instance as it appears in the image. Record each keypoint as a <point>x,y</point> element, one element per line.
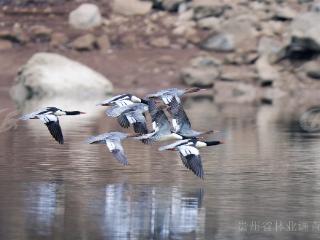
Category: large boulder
<point>86,16</point>
<point>49,74</point>
<point>131,7</point>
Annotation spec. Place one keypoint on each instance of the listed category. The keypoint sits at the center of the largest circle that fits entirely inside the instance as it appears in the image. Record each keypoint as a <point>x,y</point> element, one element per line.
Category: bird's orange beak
<point>82,113</point>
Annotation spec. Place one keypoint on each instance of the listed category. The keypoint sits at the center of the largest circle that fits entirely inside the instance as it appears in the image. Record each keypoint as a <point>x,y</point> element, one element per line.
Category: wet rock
<point>266,72</point>
<point>84,43</point>
<point>131,7</point>
<point>208,8</point>
<point>5,45</point>
<point>202,72</point>
<point>160,42</point>
<point>49,74</point>
<point>210,23</point>
<point>103,43</point>
<point>58,39</point>
<point>86,16</point>
<point>312,69</point>
<point>40,33</point>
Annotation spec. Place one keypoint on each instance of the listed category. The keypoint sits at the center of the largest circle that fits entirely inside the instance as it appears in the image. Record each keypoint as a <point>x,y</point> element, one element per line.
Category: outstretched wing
<point>116,149</point>
<point>123,121</point>
<point>52,123</point>
<point>138,121</point>
<point>180,120</point>
<point>191,159</point>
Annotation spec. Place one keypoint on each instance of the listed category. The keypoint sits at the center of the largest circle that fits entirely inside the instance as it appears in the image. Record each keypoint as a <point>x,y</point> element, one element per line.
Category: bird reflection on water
<point>152,212</point>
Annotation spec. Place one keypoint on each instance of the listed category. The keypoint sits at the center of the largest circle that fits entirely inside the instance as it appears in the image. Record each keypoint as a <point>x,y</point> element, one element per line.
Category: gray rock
<point>268,46</point>
<point>202,72</point>
<point>40,33</point>
<point>221,42</point>
<point>305,32</point>
<point>208,8</point>
<point>211,23</point>
<point>131,7</point>
<point>84,43</point>
<point>284,13</point>
<point>312,69</point>
<point>86,16</point>
<point>235,34</point>
<point>266,72</point>
<point>171,5</point>
<point>49,74</point>
<point>315,7</point>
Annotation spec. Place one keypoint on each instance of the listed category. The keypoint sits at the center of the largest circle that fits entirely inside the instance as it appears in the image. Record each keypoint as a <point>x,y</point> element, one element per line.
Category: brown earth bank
<point>247,50</point>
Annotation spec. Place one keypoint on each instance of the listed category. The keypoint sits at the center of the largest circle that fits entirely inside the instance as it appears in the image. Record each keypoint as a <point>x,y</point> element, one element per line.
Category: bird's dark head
<point>74,112</point>
<point>193,90</point>
<point>212,143</point>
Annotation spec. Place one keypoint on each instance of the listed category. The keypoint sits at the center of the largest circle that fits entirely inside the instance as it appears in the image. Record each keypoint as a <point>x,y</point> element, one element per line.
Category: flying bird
<point>113,142</point>
<point>180,121</point>
<point>49,116</point>
<point>121,100</point>
<point>130,115</point>
<point>167,95</point>
<point>162,130</point>
<point>189,153</point>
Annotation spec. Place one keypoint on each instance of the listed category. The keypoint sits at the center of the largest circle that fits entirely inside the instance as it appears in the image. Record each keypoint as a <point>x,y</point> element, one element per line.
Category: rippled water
<point>262,184</point>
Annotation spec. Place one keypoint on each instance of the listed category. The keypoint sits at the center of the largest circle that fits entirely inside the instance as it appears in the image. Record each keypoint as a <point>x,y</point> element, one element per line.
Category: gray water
<point>262,184</point>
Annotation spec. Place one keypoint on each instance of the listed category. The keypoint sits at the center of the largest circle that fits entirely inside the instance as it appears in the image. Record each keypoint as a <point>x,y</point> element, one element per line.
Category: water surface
<point>262,184</point>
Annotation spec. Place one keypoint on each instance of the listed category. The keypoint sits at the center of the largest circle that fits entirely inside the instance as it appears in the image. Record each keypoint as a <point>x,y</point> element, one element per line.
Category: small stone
<point>58,39</point>
<point>266,72</point>
<point>86,16</point>
<point>84,43</point>
<point>312,69</point>
<point>210,23</point>
<point>5,45</point>
<point>131,7</point>
<point>284,13</point>
<point>208,8</point>
<point>160,42</point>
<point>204,70</point>
<point>103,43</point>
<point>40,33</point>
<point>171,5</point>
<point>220,42</point>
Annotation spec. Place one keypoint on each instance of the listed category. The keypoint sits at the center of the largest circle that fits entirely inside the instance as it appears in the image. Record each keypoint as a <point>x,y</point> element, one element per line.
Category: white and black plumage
<point>113,142</point>
<point>189,153</point>
<point>49,116</point>
<point>161,126</point>
<point>180,121</point>
<point>167,95</point>
<point>130,115</point>
<point>121,100</point>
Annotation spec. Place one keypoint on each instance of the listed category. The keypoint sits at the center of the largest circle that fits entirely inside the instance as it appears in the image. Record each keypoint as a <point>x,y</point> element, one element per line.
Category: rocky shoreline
<point>245,50</point>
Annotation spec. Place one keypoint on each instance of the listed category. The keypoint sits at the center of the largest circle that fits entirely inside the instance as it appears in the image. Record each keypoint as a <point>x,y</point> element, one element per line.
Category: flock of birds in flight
<point>130,110</point>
